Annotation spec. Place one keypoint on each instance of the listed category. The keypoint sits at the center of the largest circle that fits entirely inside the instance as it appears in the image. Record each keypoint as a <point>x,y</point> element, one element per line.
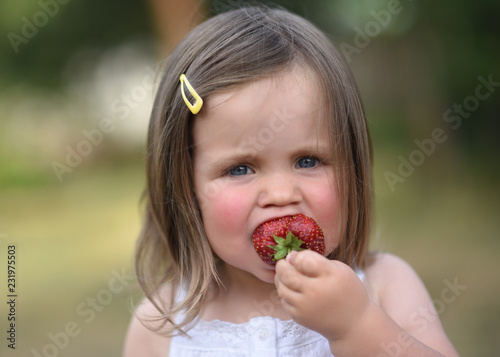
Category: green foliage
<point>69,28</point>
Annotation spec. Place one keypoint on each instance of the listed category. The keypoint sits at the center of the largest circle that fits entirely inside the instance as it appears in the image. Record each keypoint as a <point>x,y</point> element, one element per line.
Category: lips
<point>276,238</point>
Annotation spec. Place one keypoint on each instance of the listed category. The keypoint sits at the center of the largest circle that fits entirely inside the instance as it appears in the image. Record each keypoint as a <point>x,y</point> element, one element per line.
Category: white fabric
<point>259,337</point>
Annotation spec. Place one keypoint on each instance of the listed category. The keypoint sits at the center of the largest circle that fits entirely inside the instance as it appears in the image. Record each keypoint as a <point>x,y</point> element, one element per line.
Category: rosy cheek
<point>326,211</point>
<point>324,198</point>
<point>231,208</point>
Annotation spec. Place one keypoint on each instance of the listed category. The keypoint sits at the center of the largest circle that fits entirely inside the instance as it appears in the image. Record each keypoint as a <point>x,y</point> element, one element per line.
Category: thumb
<point>306,262</point>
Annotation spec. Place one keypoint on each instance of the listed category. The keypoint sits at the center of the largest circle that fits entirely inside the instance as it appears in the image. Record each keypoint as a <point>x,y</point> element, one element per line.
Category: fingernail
<point>289,256</point>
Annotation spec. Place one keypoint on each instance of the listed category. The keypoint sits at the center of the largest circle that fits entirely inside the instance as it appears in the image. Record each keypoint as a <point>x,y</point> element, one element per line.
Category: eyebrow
<point>221,164</point>
<point>322,150</point>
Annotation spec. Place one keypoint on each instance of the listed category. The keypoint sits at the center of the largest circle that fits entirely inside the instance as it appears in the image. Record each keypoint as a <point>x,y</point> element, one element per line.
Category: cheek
<point>325,205</point>
<point>226,212</point>
<point>225,219</point>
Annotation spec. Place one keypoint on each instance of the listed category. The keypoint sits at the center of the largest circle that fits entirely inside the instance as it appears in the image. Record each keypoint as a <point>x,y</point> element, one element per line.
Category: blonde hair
<point>228,50</point>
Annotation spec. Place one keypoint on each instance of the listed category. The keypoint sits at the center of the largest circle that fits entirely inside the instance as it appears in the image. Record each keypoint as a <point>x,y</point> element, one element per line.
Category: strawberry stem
<point>284,246</point>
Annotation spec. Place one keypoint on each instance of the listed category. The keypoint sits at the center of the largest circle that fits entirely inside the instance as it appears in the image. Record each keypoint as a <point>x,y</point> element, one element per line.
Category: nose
<point>279,189</point>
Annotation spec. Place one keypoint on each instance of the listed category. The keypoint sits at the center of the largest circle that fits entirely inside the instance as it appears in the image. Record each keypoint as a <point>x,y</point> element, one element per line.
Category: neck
<point>239,280</point>
<point>241,297</point>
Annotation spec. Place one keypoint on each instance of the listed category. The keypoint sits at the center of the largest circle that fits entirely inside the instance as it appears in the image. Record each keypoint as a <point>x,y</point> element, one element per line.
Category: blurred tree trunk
<point>173,20</point>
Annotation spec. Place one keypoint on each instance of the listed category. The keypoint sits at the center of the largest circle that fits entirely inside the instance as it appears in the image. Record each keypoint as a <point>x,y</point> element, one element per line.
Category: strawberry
<point>307,230</point>
<point>273,240</point>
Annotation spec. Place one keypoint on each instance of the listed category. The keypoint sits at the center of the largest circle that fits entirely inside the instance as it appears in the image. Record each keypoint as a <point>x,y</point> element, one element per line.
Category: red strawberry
<point>264,237</point>
<point>307,230</point>
<point>273,240</point>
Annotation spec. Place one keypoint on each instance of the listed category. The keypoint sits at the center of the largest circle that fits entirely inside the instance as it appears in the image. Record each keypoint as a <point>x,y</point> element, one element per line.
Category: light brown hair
<point>228,50</point>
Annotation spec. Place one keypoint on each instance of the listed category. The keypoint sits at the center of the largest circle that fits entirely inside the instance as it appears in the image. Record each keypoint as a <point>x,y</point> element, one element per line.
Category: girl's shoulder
<point>390,279</point>
<point>397,289</point>
<point>383,267</point>
<point>145,337</point>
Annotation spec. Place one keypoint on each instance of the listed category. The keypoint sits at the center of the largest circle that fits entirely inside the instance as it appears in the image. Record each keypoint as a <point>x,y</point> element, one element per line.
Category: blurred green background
<point>76,85</point>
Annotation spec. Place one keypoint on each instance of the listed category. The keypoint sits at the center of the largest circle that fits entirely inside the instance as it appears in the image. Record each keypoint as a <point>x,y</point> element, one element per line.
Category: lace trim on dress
<point>260,336</point>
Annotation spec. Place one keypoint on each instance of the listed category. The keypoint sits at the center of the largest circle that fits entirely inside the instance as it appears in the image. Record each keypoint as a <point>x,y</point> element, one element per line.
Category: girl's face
<point>262,152</point>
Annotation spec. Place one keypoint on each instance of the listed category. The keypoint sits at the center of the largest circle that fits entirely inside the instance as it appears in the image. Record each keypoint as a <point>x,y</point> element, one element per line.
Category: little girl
<point>257,117</point>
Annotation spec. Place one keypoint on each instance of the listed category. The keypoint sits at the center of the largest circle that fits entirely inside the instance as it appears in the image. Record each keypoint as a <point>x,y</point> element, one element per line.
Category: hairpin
<point>195,108</point>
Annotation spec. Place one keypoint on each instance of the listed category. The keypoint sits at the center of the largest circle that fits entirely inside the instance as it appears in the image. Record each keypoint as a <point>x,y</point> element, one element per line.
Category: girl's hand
<point>323,295</point>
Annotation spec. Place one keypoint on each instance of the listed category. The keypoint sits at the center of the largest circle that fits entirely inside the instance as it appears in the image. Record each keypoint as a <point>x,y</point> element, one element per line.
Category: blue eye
<point>239,170</point>
<point>307,162</point>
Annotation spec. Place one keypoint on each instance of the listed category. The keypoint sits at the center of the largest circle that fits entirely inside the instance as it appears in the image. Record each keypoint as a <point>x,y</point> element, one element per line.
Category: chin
<point>267,276</point>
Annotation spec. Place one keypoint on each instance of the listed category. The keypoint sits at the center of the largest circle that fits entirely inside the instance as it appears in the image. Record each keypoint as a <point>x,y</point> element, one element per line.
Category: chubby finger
<point>289,307</point>
<point>287,276</point>
<point>287,295</point>
<point>307,262</point>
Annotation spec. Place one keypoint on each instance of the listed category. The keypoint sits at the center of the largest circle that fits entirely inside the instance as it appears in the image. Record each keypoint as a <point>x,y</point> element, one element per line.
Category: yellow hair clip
<point>195,108</point>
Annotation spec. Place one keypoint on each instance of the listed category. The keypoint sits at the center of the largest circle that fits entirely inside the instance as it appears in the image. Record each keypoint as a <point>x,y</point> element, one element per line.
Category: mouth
<point>277,237</point>
<point>274,218</point>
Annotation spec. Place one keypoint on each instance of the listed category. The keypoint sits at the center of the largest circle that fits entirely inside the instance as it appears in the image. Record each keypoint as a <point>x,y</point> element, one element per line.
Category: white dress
<point>259,337</point>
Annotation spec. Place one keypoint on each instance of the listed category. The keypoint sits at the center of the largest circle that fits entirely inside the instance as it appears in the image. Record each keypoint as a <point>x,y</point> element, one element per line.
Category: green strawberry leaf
<point>280,255</point>
<point>279,240</point>
<point>285,245</point>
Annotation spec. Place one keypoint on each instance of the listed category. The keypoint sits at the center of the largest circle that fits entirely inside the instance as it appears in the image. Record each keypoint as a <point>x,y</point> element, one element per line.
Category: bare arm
<point>327,296</point>
<point>141,341</point>
<point>404,319</point>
